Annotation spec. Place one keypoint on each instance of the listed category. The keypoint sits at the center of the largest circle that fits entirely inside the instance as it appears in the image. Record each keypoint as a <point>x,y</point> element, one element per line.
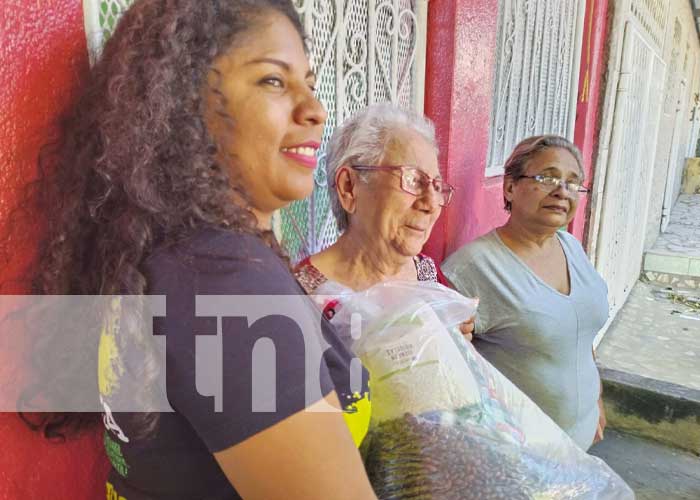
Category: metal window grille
<point>363,51</point>
<point>651,14</point>
<point>101,17</point>
<point>673,79</point>
<point>536,79</point>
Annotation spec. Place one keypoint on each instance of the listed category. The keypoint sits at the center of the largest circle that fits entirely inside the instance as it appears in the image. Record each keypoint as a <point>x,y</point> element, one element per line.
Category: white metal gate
<point>537,68</point>
<point>101,17</point>
<point>627,185</point>
<point>677,157</point>
<point>363,51</point>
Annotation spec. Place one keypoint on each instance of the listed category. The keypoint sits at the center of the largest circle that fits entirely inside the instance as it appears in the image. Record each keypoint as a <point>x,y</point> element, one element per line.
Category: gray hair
<point>364,138</point>
<point>528,148</point>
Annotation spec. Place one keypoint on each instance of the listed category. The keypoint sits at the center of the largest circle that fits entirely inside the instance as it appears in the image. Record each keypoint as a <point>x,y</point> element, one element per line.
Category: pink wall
<point>590,81</point>
<point>461,58</point>
<point>459,89</point>
<point>43,55</point>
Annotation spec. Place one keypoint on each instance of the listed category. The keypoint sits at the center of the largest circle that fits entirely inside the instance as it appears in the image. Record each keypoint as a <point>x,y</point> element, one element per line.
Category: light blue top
<point>536,336</point>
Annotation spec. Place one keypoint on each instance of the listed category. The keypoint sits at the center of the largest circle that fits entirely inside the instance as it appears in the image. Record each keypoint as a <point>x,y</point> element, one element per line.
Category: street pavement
<point>653,471</point>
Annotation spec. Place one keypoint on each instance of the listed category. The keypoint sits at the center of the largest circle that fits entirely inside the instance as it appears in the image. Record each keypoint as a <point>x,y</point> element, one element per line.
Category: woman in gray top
<point>542,302</point>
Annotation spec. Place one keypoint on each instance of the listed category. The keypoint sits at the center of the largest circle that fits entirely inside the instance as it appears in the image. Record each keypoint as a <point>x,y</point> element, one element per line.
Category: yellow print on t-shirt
<point>357,415</point>
<point>112,493</point>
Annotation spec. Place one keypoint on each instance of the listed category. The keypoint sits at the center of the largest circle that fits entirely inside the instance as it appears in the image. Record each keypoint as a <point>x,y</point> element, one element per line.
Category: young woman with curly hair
<point>198,121</point>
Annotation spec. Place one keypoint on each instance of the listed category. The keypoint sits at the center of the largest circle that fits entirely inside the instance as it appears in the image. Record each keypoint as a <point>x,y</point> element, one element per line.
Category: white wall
<point>669,135</point>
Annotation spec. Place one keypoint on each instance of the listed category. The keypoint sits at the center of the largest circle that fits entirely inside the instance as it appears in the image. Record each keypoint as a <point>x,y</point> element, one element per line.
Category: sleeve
<point>428,271</point>
<point>254,374</point>
<point>461,271</point>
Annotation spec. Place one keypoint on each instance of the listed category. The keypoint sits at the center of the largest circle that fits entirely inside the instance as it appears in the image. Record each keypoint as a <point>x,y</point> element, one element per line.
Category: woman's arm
<point>602,420</point>
<point>467,327</point>
<point>309,455</point>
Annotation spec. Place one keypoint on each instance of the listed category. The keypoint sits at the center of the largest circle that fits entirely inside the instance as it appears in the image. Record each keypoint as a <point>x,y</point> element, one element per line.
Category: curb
<point>653,409</point>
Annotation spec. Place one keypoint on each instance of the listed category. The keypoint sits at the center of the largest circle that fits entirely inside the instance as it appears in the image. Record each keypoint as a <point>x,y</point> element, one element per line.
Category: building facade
<point>619,77</point>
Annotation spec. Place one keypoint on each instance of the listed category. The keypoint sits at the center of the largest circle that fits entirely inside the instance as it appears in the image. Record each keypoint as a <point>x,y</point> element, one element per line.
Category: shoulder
<point>572,244</point>
<point>478,262</point>
<point>218,261</point>
<point>427,270</point>
<point>308,276</point>
<point>213,243</point>
<point>480,249</point>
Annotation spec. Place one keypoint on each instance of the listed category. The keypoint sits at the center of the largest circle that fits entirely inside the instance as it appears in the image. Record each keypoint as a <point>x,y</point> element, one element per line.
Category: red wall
<point>460,65</point>
<point>590,81</point>
<point>42,56</point>
<point>459,90</point>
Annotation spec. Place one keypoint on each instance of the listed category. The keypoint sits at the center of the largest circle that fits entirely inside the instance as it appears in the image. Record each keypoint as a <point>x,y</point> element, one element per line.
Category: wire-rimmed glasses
<point>416,182</point>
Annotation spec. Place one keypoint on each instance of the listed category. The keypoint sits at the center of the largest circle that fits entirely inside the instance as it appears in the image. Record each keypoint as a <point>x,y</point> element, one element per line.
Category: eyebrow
<point>277,62</point>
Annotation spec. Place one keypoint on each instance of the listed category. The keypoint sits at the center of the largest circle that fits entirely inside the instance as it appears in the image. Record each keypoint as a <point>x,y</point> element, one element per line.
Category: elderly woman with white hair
<point>386,193</point>
<point>542,302</point>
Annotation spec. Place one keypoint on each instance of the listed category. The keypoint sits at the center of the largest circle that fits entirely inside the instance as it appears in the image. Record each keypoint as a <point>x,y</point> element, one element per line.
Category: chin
<point>557,218</point>
<point>412,250</point>
<point>299,190</point>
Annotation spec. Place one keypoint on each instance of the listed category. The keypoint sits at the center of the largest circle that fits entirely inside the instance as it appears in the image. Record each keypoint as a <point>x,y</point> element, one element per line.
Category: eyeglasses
<point>416,182</point>
<point>552,183</point>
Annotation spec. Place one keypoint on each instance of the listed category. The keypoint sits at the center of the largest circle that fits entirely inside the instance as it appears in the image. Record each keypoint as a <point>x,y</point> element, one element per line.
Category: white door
<point>620,239</point>
<point>676,159</point>
<point>692,148</point>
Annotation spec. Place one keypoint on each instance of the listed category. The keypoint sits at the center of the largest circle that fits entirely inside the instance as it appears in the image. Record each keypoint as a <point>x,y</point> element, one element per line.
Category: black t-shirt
<point>176,461</point>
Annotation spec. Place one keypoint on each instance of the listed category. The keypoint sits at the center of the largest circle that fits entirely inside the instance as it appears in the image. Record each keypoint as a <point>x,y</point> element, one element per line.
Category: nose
<point>561,191</point>
<point>429,201</point>
<point>310,111</point>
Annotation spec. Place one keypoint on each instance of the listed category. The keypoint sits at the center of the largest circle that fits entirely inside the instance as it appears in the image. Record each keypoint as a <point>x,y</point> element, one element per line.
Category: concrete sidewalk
<point>650,365</point>
<point>656,335</point>
<point>650,357</point>
<point>653,471</point>
<point>674,259</point>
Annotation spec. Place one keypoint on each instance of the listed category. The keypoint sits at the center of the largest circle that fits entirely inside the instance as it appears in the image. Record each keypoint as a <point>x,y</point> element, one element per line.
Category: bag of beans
<point>445,423</point>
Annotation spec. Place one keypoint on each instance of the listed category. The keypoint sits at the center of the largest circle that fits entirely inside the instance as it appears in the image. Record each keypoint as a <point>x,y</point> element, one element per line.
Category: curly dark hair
<point>135,166</point>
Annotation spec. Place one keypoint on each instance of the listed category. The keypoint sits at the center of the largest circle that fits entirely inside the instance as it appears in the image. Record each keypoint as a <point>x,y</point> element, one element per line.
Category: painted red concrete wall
<point>459,90</point>
<point>42,56</point>
<point>460,65</point>
<point>587,130</point>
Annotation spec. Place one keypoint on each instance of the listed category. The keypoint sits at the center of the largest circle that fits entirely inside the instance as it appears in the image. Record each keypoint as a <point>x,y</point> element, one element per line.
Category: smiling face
<point>275,123</point>
<point>535,204</point>
<point>395,219</point>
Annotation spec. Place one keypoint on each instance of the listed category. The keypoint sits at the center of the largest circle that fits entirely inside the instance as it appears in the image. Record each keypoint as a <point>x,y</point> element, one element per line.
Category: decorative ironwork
<point>652,15</point>
<point>101,17</point>
<point>674,78</point>
<point>363,52</point>
<point>535,86</point>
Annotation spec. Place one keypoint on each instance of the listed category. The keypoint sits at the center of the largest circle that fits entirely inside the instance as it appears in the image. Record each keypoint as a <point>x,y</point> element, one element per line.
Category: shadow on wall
<point>42,56</point>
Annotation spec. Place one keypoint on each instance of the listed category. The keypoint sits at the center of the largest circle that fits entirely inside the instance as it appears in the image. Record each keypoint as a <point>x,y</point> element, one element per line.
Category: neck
<point>264,219</point>
<point>367,260</point>
<point>525,235</point>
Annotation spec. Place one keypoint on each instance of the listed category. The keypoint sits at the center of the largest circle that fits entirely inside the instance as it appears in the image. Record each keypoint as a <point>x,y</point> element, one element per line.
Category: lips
<point>557,208</point>
<point>303,154</point>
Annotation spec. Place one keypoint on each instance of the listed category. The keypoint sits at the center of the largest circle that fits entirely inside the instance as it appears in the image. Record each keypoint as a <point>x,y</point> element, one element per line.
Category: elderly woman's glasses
<point>416,182</point>
<point>550,183</point>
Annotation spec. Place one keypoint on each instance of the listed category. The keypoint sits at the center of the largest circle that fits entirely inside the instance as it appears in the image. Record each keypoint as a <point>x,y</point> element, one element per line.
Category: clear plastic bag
<point>445,423</point>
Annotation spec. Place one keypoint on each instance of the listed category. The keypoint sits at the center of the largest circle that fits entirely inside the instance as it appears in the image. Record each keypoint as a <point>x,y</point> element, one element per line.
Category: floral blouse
<point>310,278</point>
